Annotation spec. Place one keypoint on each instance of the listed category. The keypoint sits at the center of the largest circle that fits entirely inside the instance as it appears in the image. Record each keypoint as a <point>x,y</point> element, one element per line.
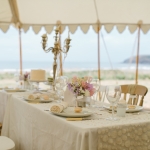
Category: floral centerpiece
<point>81,86</point>
<point>26,80</point>
<point>26,76</point>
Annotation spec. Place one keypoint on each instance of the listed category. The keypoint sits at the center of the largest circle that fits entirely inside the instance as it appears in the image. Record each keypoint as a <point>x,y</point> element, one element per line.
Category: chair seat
<point>6,143</point>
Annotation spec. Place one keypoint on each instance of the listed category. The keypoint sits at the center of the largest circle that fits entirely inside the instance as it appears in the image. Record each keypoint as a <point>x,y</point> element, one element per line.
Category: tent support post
<point>98,42</point>
<point>137,57</point>
<point>20,47</point>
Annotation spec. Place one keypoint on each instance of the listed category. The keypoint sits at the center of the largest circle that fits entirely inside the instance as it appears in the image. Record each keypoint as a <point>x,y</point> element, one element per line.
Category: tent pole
<point>20,47</point>
<point>98,42</point>
<point>137,57</point>
<point>60,56</point>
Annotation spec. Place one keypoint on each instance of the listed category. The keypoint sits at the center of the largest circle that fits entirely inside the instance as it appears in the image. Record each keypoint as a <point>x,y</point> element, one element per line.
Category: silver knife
<point>77,119</point>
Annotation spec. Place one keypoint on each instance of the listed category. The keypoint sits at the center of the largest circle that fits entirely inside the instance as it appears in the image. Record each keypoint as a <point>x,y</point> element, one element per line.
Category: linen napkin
<point>33,96</point>
<point>44,96</point>
<point>58,108</point>
<point>69,97</point>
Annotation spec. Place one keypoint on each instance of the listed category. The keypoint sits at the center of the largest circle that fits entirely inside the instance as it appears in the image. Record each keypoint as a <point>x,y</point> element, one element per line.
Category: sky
<point>83,46</point>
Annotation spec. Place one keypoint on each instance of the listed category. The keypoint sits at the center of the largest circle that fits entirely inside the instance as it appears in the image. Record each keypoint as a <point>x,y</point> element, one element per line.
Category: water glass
<point>113,94</point>
<point>60,84</point>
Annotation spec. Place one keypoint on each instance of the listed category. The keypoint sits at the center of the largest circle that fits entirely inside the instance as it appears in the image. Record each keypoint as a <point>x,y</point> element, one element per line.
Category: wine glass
<point>60,84</point>
<point>16,77</point>
<point>94,97</point>
<point>113,94</point>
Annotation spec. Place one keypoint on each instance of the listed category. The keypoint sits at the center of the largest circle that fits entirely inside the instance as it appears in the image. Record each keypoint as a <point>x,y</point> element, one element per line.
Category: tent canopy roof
<point>74,13</point>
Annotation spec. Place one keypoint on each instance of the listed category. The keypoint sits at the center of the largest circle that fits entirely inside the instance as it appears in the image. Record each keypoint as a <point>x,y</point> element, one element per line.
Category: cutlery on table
<point>77,119</point>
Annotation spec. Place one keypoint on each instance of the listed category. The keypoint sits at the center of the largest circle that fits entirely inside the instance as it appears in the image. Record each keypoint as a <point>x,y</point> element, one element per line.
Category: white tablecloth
<point>3,102</point>
<point>32,128</point>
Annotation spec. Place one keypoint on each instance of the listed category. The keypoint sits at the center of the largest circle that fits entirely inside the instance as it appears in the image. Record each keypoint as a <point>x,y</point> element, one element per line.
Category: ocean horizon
<point>28,65</point>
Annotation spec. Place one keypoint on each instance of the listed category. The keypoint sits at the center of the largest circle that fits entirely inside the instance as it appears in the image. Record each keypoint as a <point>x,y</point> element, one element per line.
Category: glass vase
<point>84,102</point>
<point>26,84</point>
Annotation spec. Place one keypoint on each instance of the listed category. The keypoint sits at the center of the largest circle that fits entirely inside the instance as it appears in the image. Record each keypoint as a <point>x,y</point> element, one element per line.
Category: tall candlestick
<point>56,49</point>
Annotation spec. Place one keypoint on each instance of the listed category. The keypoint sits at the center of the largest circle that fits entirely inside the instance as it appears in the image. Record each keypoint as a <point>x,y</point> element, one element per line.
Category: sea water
<point>28,65</point>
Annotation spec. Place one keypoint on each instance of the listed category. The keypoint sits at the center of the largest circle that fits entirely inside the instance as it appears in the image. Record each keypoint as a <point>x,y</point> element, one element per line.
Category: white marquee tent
<point>73,13</point>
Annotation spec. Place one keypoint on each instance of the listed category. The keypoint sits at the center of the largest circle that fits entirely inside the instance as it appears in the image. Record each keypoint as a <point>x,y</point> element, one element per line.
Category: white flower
<point>87,93</point>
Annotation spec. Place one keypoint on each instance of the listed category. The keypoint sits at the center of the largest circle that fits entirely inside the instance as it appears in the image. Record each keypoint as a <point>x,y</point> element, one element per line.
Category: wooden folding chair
<point>0,128</point>
<point>134,94</point>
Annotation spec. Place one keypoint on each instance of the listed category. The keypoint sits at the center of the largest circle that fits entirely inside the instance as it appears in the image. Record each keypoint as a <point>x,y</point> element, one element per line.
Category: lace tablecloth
<point>128,133</point>
<point>32,128</point>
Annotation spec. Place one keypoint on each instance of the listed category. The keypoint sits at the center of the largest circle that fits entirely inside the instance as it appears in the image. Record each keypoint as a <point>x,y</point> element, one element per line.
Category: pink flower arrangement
<point>81,86</point>
<point>26,76</point>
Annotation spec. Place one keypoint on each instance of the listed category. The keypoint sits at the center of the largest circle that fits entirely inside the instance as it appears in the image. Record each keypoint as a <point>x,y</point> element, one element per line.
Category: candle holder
<point>56,50</point>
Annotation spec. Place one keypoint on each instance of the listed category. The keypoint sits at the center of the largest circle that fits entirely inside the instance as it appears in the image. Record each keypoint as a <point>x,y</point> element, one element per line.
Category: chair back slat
<point>135,93</point>
<point>130,101</point>
<point>141,101</point>
<point>100,94</point>
<point>135,100</point>
<point>125,96</point>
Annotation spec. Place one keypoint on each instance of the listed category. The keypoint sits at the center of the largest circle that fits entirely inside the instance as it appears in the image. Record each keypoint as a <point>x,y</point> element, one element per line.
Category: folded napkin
<point>44,96</point>
<point>58,108</point>
<point>33,96</point>
<point>131,106</point>
<point>69,97</point>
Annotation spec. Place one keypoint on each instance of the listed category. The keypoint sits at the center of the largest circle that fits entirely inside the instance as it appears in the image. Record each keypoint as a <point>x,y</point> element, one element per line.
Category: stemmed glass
<point>16,77</point>
<point>96,85</point>
<point>113,94</point>
<point>60,84</point>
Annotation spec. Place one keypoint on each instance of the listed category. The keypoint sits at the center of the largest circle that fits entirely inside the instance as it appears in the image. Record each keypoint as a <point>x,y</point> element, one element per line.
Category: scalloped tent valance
<point>74,13</point>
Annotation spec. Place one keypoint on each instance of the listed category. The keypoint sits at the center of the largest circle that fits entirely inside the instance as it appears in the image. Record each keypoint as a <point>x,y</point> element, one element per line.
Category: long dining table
<point>31,127</point>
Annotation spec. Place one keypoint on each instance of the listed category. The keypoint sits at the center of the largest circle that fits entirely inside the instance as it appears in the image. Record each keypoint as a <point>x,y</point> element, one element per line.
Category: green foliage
<point>6,76</point>
<point>105,74</point>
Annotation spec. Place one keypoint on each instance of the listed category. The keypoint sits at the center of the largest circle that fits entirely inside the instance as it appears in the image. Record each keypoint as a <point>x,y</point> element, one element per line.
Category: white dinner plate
<point>136,109</point>
<point>43,90</point>
<point>15,90</point>
<point>69,112</point>
<point>38,100</point>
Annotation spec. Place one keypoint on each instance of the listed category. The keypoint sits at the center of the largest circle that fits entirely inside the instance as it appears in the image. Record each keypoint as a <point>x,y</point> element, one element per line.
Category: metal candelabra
<point>56,50</point>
